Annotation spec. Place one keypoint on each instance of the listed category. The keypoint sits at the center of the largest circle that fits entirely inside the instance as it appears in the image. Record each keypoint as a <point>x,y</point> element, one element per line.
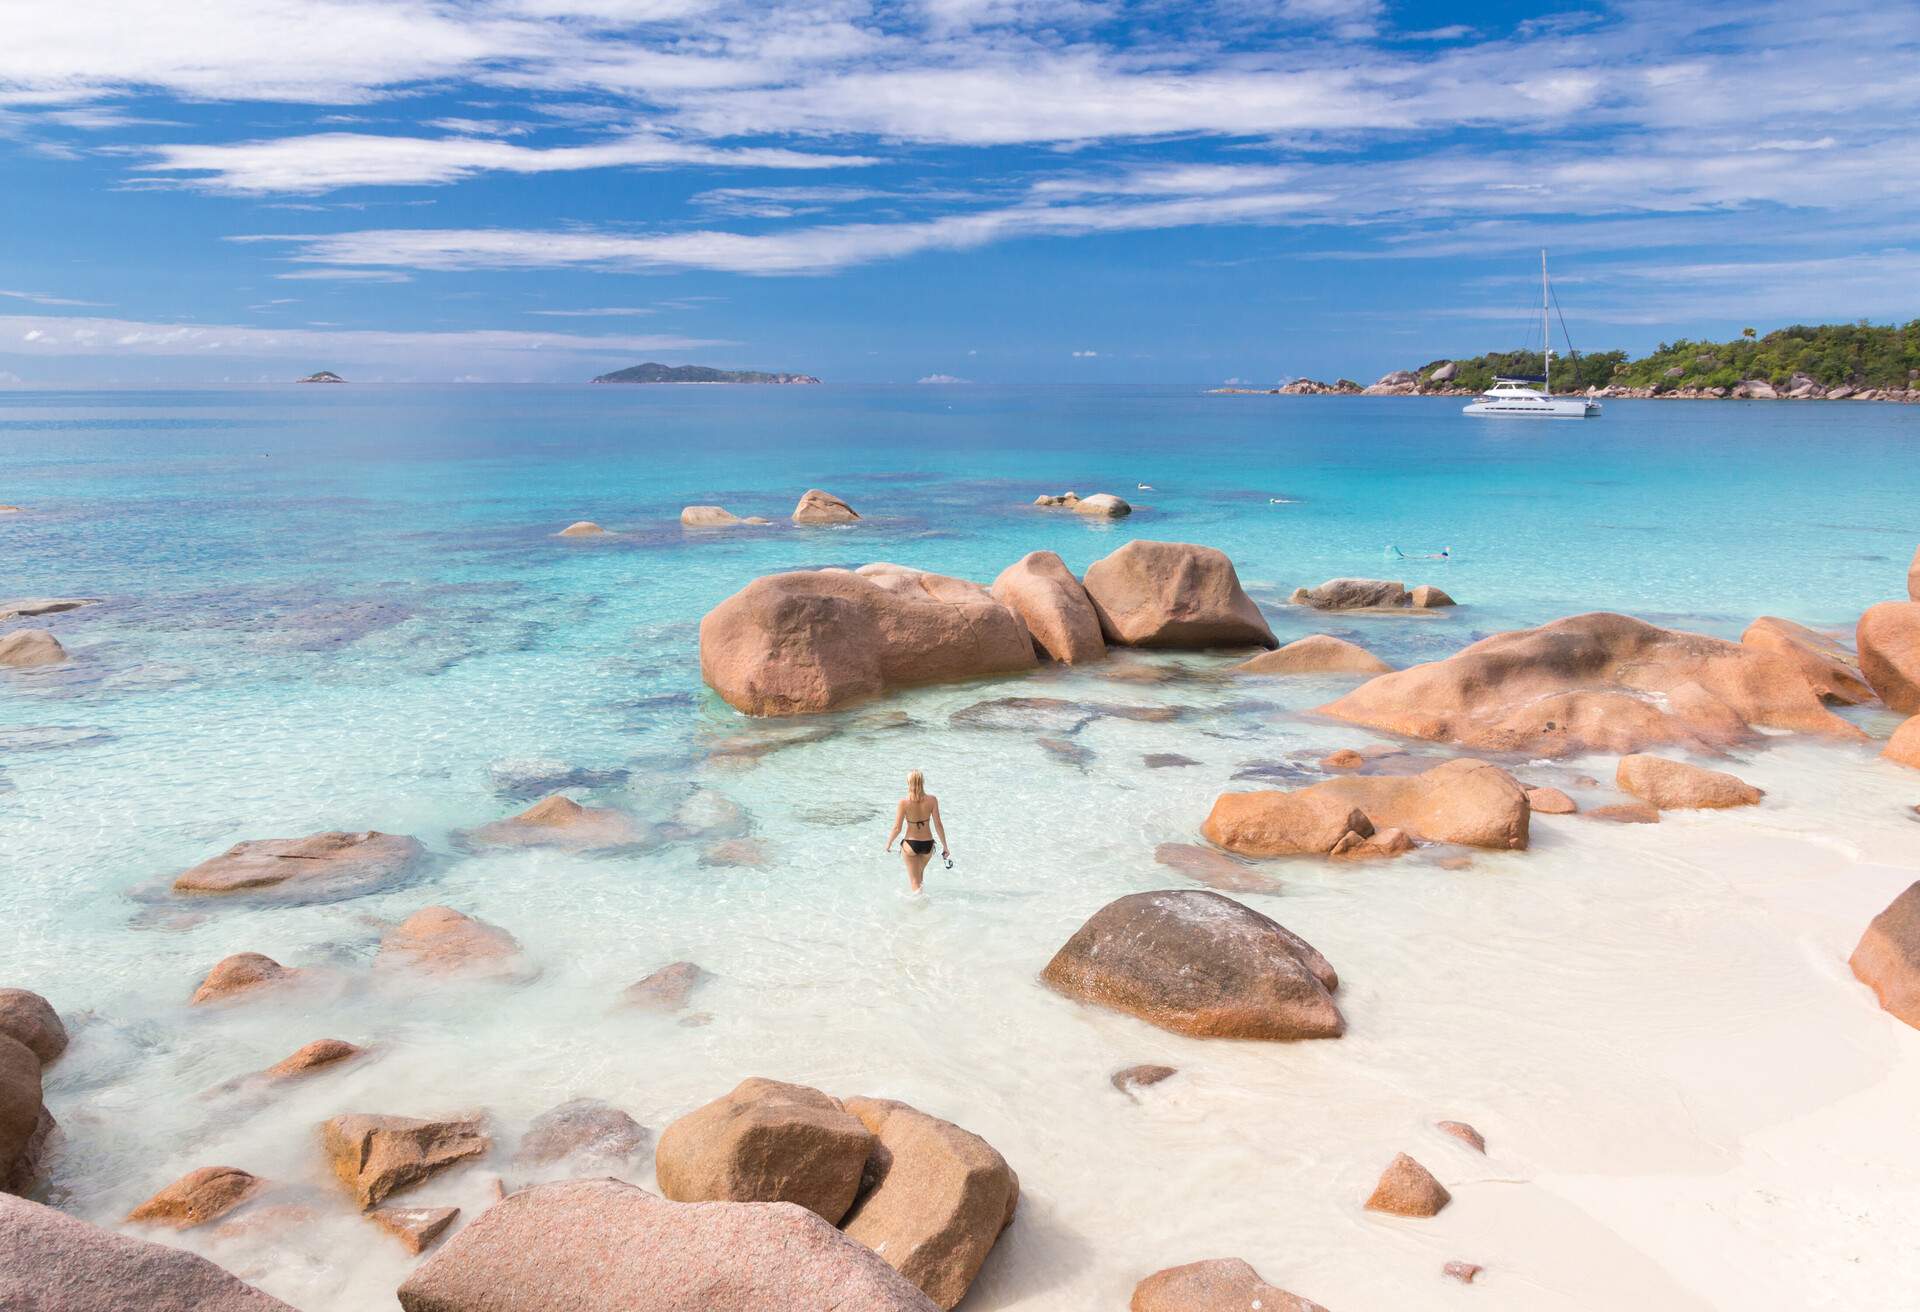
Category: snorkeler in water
<point>1445,553</point>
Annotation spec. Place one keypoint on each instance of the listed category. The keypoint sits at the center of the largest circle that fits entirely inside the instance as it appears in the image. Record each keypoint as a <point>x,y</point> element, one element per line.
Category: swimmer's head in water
<point>916,785</point>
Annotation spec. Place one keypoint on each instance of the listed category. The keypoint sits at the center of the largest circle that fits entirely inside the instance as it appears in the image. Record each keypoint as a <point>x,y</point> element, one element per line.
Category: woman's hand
<point>889,847</point>
<point>944,854</point>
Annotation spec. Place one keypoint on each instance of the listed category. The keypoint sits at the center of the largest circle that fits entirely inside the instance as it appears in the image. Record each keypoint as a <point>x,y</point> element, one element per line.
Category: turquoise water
<point>346,608</point>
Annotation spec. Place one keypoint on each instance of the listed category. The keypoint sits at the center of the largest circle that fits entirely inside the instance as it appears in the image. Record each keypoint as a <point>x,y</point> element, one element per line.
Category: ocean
<point>346,608</point>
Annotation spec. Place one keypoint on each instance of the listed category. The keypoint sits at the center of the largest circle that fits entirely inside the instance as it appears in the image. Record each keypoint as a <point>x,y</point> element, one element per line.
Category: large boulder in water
<point>819,640</point>
<point>766,1142</point>
<point>442,941</point>
<point>242,974</point>
<point>1468,802</point>
<point>318,868</point>
<point>1173,594</point>
<point>1353,594</point>
<point>31,1019</point>
<point>26,649</point>
<point>1202,964</point>
<point>52,1262</point>
<point>1102,503</point>
<point>1049,600</point>
<point>606,1246</point>
<point>24,1122</point>
<point>933,1200</point>
<point>375,1156</point>
<point>1319,654</point>
<point>817,507</point>
<point>1594,683</point>
<point>1830,669</point>
<point>1887,958</point>
<point>1678,786</point>
<point>1888,637</point>
<point>1222,1284</point>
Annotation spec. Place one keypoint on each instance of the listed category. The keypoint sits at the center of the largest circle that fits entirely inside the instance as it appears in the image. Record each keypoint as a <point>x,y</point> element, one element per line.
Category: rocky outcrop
<point>933,1199</point>
<point>817,507</point>
<point>318,868</point>
<point>1593,683</point>
<point>1049,600</point>
<point>1468,802</point>
<point>1067,500</point>
<point>582,528</point>
<point>666,989</point>
<point>766,1142</point>
<point>30,1019</point>
<point>312,1058</point>
<point>586,1132</point>
<point>605,1246</point>
<point>1887,959</point>
<point>1888,638</point>
<point>1202,964</point>
<point>1830,669</point>
<point>560,822</point>
<point>415,1227</point>
<point>1369,594</point>
<point>26,649</point>
<point>714,517</point>
<point>1172,594</point>
<point>1104,504</point>
<point>241,975</point>
<point>25,1124</point>
<point>1677,786</point>
<point>1319,654</point>
<point>1902,749</point>
<point>442,941</point>
<point>820,640</point>
<point>1407,1188</point>
<point>375,1156</point>
<point>1400,382</point>
<point>1221,1284</point>
<point>198,1197</point>
<point>52,1262</point>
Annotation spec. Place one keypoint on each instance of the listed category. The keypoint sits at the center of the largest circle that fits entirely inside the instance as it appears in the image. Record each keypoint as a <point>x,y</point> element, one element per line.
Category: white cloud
<point>942,379</point>
<point>600,312</point>
<point>1086,355</point>
<point>344,275</point>
<point>40,298</point>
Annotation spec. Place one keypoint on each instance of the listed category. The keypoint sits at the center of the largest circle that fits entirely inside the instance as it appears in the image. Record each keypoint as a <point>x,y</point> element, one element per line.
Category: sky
<point>997,191</point>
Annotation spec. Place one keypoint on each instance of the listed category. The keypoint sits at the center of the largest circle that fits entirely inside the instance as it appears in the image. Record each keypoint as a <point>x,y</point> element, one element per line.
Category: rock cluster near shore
<point>1468,802</point>
<point>31,1038</point>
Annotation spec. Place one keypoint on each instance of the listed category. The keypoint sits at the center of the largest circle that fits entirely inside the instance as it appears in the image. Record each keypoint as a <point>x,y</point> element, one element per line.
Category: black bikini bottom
<point>920,846</point>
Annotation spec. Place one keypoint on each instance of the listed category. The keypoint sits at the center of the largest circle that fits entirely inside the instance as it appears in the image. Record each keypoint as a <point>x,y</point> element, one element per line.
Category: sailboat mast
<point>1546,335</point>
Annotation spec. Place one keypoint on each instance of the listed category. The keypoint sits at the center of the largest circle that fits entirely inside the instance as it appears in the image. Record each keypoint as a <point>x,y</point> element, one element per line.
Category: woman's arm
<point>938,827</point>
<point>899,817</point>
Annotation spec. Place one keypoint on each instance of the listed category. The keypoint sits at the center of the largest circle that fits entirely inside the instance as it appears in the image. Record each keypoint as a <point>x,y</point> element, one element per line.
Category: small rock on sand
<point>1904,747</point>
<point>1887,958</point>
<point>1407,1188</point>
<point>1464,1272</point>
<point>1465,1133</point>
<point>1222,1284</point>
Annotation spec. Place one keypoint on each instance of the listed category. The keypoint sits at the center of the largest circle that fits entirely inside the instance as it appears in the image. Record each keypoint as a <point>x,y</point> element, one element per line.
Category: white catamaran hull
<point>1515,407</point>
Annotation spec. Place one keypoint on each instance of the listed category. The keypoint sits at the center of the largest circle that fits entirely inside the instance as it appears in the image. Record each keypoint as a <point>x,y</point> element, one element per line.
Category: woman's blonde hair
<point>916,785</point>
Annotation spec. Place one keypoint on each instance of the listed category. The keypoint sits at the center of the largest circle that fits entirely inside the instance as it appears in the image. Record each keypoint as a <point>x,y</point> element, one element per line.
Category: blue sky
<point>995,190</point>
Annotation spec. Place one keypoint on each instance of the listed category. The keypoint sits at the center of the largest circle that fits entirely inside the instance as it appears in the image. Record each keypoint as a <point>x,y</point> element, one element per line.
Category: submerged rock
<point>766,1142</point>
<point>666,989</point>
<point>26,649</point>
<point>1199,963</point>
<point>242,974</point>
<point>560,822</point>
<point>19,608</point>
<point>1407,1188</point>
<point>318,868</point>
<point>1888,637</point>
<point>1887,958</point>
<point>819,640</point>
<point>583,528</point>
<point>375,1156</point>
<point>1830,669</point>
<point>59,1263</point>
<point>1221,1284</point>
<point>415,1227</point>
<point>1172,594</point>
<point>1624,813</point>
<point>586,1131</point>
<point>198,1197</point>
<point>1675,785</point>
<point>712,517</point>
<point>1145,1076</point>
<point>320,1055</point>
<point>31,1019</point>
<point>605,1246</point>
<point>1214,868</point>
<point>1465,1133</point>
<point>1319,654</point>
<point>933,1200</point>
<point>1593,683</point>
<point>817,507</point>
<point>1468,802</point>
<point>442,941</point>
<point>1049,600</point>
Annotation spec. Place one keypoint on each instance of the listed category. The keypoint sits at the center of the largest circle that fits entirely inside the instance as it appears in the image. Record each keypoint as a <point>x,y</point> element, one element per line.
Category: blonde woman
<point>919,814</point>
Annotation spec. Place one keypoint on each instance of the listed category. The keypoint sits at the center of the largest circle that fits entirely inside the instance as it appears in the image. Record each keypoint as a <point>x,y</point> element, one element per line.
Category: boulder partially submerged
<point>1174,594</point>
<point>31,1019</point>
<point>1221,1284</point>
<point>1104,504</point>
<point>1319,654</point>
<point>199,1196</point>
<point>1887,958</point>
<point>714,517</point>
<point>1465,801</point>
<point>1407,1188</point>
<point>582,528</point>
<point>1049,600</point>
<point>1677,786</point>
<point>243,974</point>
<point>1594,683</point>
<point>375,1156</point>
<point>560,822</point>
<point>817,507</point>
<point>820,640</point>
<point>606,1246</point>
<point>1201,964</point>
<point>1370,594</point>
<point>1904,747</point>
<point>1830,669</point>
<point>442,941</point>
<point>318,868</point>
<point>666,989</point>
<point>59,1263</point>
<point>1888,637</point>
<point>27,649</point>
<point>766,1142</point>
<point>585,1132</point>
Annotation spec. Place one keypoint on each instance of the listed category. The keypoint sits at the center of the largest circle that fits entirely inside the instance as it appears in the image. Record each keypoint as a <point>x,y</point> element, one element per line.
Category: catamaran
<point>1518,397</point>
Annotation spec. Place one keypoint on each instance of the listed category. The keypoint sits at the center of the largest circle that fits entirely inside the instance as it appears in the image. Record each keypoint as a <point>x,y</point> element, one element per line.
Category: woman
<point>919,813</point>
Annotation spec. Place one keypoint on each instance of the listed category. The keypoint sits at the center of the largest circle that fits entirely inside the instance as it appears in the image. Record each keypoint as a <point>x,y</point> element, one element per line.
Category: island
<point>697,373</point>
<point>324,376</point>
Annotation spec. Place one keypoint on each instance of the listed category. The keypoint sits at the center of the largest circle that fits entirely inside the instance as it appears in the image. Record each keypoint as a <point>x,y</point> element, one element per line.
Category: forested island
<point>1857,361</point>
<point>696,373</point>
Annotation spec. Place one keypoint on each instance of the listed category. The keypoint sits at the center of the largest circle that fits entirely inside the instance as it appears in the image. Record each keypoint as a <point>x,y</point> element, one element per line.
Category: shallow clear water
<point>345,608</point>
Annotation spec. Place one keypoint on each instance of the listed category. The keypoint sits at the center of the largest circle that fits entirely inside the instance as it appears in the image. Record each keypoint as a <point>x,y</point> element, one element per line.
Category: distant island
<point>324,376</point>
<point>1831,362</point>
<point>696,373</point>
